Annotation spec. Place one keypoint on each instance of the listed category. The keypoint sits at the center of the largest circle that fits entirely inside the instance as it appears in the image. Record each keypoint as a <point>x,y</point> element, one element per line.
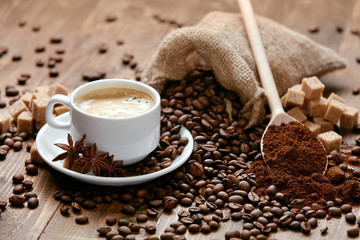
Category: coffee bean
<point>103,48</point>
<point>232,234</point>
<point>51,63</point>
<point>30,195</point>
<point>39,63</point>
<point>17,200</point>
<point>356,91</point>
<point>76,207</point>
<point>324,230</point>
<point>151,212</point>
<point>66,199</point>
<point>110,18</point>
<point>314,29</point>
<point>313,222</point>
<point>353,232</point>
<point>53,73</point>
<point>3,205</point>
<point>18,146</point>
<point>55,40</point>
<point>142,218</point>
<point>110,235</point>
<point>31,169</point>
<point>346,208</point>
<point>33,202</point>
<point>167,236</point>
<point>305,227</point>
<point>81,219</point>
<point>89,204</point>
<point>22,23</point>
<point>56,58</point>
<point>214,225</point>
<point>18,189</point>
<point>124,230</point>
<point>150,228</point>
<point>16,57</point>
<point>22,80</point>
<point>134,227</point>
<point>11,91</point>
<point>335,211</point>
<point>194,228</point>
<point>123,222</point>
<point>36,28</point>
<point>355,150</point>
<point>40,48</point>
<point>181,229</point>
<point>60,51</point>
<point>350,218</point>
<point>103,230</point>
<point>169,203</point>
<point>18,178</point>
<point>64,210</point>
<point>128,210</point>
<point>58,194</point>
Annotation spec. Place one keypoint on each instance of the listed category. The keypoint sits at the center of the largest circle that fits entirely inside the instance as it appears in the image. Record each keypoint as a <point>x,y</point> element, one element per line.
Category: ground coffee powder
<point>293,149</point>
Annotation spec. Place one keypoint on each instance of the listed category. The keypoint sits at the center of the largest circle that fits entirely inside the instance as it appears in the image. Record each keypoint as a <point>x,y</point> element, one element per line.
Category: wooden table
<point>82,26</point>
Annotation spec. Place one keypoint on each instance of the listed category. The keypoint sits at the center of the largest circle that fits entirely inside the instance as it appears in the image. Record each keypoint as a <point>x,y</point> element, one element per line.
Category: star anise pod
<point>114,169</point>
<point>72,151</point>
<point>91,160</point>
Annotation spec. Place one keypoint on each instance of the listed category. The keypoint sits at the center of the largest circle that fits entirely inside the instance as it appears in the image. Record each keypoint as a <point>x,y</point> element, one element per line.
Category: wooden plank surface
<point>83,28</point>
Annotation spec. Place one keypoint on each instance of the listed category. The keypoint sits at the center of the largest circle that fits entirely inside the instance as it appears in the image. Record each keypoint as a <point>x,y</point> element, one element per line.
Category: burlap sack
<point>220,39</point>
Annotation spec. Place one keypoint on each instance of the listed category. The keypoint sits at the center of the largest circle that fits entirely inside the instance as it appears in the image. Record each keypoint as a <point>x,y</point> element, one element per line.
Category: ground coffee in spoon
<point>293,149</point>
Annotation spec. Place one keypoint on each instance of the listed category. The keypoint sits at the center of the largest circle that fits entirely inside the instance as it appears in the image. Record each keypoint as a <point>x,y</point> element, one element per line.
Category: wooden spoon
<point>278,115</point>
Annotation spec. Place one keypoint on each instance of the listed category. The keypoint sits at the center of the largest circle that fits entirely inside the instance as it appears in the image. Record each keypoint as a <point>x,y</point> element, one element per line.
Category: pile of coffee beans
<point>11,140</point>
<point>22,186</point>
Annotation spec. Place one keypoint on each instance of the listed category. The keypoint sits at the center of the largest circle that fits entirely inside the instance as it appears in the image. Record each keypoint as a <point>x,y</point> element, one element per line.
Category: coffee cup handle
<point>49,116</point>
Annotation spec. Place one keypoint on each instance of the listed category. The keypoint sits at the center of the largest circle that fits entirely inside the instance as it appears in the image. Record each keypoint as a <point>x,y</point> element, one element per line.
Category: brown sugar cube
<point>334,96</point>
<point>298,114</point>
<point>41,96</point>
<point>38,109</point>
<point>39,124</point>
<point>296,87</point>
<point>25,122</point>
<point>334,111</point>
<point>317,107</point>
<point>34,155</point>
<point>349,118</point>
<point>330,140</point>
<point>42,89</point>
<point>325,125</point>
<point>312,87</point>
<point>74,167</point>
<point>4,122</point>
<point>17,108</point>
<point>294,98</point>
<point>57,88</point>
<point>315,128</point>
<point>27,98</point>
<point>283,100</point>
<point>60,110</point>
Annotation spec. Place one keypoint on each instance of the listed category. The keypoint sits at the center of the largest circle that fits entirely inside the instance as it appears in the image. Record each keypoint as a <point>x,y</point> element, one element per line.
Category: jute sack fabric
<point>220,39</point>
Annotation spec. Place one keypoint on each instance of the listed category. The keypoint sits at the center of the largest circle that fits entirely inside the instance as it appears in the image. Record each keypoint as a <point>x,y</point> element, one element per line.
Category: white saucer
<point>47,136</point>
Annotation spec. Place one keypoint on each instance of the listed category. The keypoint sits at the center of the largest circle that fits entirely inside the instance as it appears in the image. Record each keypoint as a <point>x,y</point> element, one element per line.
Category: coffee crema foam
<point>114,102</point>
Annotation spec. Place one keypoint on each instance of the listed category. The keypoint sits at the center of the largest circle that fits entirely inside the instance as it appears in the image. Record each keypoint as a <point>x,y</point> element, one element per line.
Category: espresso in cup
<point>115,102</point>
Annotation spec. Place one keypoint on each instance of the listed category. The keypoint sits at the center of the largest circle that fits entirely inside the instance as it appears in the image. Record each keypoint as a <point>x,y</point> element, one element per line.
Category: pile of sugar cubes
<point>305,103</point>
<point>29,111</point>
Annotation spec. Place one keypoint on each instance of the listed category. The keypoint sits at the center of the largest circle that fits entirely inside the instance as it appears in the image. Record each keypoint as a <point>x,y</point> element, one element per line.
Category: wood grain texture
<point>82,26</point>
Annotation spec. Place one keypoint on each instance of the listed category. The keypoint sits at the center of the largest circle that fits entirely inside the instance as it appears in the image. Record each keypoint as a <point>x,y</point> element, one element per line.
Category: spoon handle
<point>262,63</point>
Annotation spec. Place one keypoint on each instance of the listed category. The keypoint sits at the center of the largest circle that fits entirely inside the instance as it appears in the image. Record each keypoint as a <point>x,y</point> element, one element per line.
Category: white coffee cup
<point>130,139</point>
